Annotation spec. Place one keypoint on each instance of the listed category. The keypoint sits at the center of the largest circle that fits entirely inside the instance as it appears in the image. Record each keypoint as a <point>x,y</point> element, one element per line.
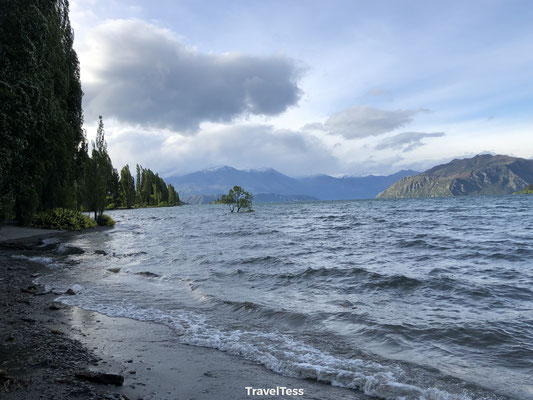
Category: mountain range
<point>483,174</point>
<point>271,185</point>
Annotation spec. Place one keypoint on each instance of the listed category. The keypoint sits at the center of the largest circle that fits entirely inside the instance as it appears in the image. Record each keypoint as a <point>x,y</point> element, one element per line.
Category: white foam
<point>48,241</point>
<point>77,288</point>
<point>41,260</point>
<point>278,352</point>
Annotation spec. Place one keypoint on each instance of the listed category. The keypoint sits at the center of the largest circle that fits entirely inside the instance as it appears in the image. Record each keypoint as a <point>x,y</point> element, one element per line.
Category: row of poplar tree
<point>45,161</point>
<point>106,189</point>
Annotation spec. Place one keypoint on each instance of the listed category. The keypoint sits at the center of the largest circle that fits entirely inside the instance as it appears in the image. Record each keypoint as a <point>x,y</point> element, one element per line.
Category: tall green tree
<point>151,190</point>
<point>138,184</point>
<point>127,188</point>
<point>98,173</point>
<point>173,198</point>
<point>113,188</point>
<point>41,137</point>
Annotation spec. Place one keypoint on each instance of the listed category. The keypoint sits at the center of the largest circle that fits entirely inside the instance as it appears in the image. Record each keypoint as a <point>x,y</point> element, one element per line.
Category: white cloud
<point>243,146</point>
<point>406,141</point>
<point>363,121</point>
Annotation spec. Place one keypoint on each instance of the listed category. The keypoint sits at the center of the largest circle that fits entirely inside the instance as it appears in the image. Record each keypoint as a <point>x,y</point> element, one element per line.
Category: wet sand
<point>43,345</point>
<point>18,233</point>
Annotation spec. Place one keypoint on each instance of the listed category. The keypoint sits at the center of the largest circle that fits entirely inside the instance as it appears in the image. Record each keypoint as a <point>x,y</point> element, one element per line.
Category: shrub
<point>105,220</point>
<point>62,218</point>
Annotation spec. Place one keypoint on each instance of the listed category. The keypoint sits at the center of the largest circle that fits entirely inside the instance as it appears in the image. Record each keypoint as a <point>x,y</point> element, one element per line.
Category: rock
<point>114,270</point>
<point>56,332</point>
<point>101,377</point>
<point>31,289</point>
<point>101,252</point>
<point>5,379</point>
<point>64,381</point>
<point>132,372</point>
<point>148,274</point>
<point>48,244</point>
<point>54,307</point>
<point>69,250</point>
<point>70,292</point>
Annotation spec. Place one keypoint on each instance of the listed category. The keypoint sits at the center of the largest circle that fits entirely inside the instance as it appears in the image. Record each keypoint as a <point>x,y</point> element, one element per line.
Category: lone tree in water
<point>237,199</point>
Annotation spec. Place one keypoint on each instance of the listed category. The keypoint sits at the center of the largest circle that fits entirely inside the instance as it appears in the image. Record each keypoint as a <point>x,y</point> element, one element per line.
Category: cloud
<point>406,141</point>
<point>141,74</point>
<point>240,146</point>
<point>377,92</point>
<point>363,121</point>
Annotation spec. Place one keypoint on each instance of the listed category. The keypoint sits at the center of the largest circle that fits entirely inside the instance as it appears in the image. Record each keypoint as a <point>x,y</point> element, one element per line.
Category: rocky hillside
<point>481,175</point>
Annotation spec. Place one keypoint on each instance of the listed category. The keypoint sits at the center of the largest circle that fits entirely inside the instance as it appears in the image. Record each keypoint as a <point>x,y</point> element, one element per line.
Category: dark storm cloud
<point>141,74</point>
<point>406,141</point>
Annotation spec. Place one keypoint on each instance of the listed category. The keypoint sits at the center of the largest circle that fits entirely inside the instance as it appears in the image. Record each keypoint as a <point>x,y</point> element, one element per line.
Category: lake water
<point>406,299</point>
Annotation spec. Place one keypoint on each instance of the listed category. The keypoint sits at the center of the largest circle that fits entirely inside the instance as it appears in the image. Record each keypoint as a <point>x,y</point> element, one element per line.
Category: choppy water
<point>401,299</point>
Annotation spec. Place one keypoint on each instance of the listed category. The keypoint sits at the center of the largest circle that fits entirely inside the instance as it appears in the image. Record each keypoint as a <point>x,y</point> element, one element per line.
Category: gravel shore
<point>39,359</point>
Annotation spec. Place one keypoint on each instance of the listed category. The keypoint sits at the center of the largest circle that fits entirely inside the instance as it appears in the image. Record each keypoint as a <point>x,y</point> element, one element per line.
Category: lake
<point>414,299</point>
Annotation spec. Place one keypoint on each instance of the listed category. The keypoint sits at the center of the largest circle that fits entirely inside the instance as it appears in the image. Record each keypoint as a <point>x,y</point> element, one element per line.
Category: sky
<point>306,87</point>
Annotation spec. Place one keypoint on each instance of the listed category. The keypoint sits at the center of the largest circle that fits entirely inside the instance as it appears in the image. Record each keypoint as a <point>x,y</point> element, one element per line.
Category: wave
<point>361,277</point>
<point>36,259</point>
<point>420,243</point>
<point>288,356</point>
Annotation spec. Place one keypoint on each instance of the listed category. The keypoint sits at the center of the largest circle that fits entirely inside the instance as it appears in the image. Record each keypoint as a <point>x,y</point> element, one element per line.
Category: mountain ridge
<point>268,181</point>
<point>483,174</point>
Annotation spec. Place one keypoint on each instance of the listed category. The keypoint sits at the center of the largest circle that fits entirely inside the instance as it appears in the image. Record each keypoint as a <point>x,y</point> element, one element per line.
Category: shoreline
<point>44,344</point>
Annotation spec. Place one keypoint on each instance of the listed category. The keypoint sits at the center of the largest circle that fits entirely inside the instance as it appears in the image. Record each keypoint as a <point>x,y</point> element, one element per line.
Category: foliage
<point>113,187</point>
<point>40,108</point>
<point>127,188</point>
<point>6,207</point>
<point>99,174</point>
<point>44,155</point>
<point>237,199</point>
<point>152,191</point>
<point>527,190</point>
<point>173,198</point>
<point>105,220</point>
<point>61,218</point>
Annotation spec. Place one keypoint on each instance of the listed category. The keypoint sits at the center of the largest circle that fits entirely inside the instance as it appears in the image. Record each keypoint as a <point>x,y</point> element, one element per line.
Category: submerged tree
<point>238,199</point>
